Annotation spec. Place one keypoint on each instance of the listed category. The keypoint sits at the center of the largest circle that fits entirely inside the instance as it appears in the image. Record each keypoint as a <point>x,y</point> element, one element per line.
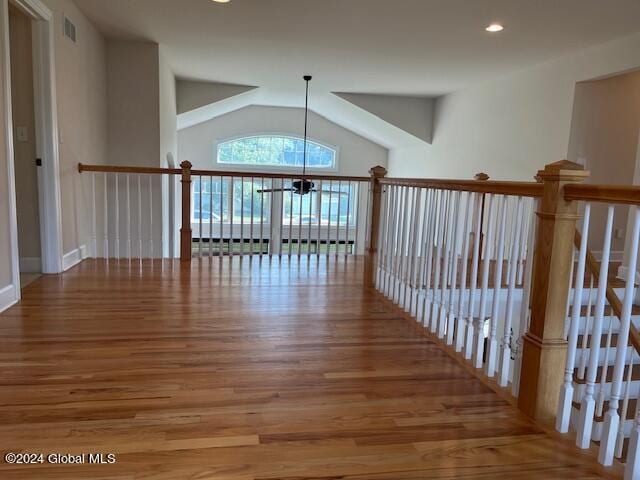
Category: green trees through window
<point>275,151</point>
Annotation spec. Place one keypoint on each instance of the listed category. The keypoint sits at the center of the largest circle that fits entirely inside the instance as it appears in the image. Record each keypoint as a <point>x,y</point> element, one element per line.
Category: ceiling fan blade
<point>333,192</point>
<point>273,190</point>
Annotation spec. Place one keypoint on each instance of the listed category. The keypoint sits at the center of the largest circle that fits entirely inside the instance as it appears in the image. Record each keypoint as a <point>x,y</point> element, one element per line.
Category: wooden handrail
<point>523,189</point>
<point>122,169</point>
<point>612,297</point>
<point>214,173</point>
<point>624,194</point>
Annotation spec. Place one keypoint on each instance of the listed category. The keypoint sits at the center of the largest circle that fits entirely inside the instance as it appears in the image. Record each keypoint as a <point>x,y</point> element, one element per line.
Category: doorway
<point>24,145</point>
<point>32,140</point>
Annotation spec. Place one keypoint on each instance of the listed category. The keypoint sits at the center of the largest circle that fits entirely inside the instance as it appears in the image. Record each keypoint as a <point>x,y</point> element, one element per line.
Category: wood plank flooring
<point>257,370</point>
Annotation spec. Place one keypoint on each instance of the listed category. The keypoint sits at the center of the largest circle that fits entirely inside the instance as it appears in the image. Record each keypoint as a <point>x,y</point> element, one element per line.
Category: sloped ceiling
<point>193,94</point>
<point>414,115</point>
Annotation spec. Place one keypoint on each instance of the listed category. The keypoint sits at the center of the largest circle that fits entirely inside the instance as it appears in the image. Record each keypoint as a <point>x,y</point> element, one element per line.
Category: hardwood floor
<point>264,370</point>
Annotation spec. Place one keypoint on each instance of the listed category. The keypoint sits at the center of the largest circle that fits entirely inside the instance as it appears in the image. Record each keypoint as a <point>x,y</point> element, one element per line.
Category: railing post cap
<point>378,171</point>
<point>563,170</point>
<point>481,176</point>
<point>186,164</point>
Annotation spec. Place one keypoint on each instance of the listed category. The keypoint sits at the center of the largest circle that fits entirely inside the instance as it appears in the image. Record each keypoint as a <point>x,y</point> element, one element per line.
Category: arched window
<point>276,151</point>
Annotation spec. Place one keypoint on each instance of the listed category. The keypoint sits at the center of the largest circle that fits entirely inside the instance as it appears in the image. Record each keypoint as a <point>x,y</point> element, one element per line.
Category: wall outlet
<point>22,134</point>
<point>618,233</point>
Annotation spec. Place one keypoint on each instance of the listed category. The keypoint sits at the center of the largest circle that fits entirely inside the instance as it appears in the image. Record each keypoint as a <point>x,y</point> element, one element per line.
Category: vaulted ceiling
<point>408,47</point>
<point>391,48</point>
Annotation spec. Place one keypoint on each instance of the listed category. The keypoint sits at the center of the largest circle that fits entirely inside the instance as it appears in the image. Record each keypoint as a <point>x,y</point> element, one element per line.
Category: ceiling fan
<point>303,186</point>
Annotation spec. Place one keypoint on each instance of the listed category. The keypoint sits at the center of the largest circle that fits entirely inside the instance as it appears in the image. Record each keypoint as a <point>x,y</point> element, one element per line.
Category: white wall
<point>604,135</point>
<point>514,125</point>
<point>356,154</point>
<point>168,152</point>
<point>134,109</point>
<point>81,75</point>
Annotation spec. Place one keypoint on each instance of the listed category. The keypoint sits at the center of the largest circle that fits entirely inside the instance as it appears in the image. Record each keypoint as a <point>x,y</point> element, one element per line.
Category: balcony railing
<point>498,273</point>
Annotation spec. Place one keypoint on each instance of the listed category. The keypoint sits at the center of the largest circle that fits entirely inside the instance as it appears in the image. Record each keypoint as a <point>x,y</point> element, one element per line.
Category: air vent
<point>69,29</point>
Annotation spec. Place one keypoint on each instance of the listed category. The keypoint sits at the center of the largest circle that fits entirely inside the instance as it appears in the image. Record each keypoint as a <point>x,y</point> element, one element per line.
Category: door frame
<point>46,137</point>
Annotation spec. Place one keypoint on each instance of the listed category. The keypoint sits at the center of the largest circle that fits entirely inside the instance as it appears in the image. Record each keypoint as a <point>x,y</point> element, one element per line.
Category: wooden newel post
<point>185,228</point>
<point>374,225</point>
<point>545,348</point>
<point>481,177</point>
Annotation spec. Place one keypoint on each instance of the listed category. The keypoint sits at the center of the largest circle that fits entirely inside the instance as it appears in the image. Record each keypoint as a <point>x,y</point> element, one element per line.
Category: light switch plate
<point>22,134</point>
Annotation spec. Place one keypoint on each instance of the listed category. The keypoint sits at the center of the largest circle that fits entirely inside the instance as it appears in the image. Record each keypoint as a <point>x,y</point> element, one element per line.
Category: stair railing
<point>136,213</point>
<point>457,256</point>
<point>452,255</point>
<point>598,388</point>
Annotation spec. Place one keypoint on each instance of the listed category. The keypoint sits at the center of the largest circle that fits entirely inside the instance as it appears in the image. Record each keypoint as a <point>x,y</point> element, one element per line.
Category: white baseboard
<point>30,265</point>
<point>74,257</point>
<point>7,297</point>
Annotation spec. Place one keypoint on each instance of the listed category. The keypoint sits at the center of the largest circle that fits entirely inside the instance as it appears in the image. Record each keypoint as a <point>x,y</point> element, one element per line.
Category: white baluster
<point>424,245</point>
<point>231,212</point>
<point>389,245</point>
<point>151,254</point>
<point>116,244</point>
<point>329,217</point>
<point>128,219</point>
<point>390,240</point>
<point>221,239</point>
<point>492,343</point>
<point>434,215</point>
<point>382,232</point>
<point>446,250</point>
<point>587,407</point>
<point>397,237</point>
<point>525,244</point>
<point>526,295</point>
<point>210,217</point>
<point>625,408</point>
<point>453,268</point>
<point>505,362</point>
<point>94,238</point>
<point>566,391</point>
<point>414,242</point>
<point>582,366</point>
<point>567,317</point>
<point>311,196</point>
<point>404,235</point>
<point>200,193</point>
<point>466,234</point>
<point>319,207</point>
<point>262,216</point>
<point>605,368</point>
<point>400,285</point>
<point>140,217</point>
<point>346,227</point>
<point>105,243</point>
<point>241,216</point>
<point>484,289</point>
<point>419,253</point>
<point>358,198</point>
<point>473,282</point>
<point>440,238</point>
<point>612,419</point>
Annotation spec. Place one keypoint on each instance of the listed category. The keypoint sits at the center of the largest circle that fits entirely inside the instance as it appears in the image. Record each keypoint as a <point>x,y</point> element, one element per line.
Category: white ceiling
<point>405,47</point>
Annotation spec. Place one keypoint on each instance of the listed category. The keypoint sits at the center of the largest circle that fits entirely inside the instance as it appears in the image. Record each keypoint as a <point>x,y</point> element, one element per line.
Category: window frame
<point>274,168</point>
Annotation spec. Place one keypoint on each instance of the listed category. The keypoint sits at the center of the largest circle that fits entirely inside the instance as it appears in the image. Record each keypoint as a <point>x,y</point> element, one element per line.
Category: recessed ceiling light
<point>222,1</point>
<point>494,28</point>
